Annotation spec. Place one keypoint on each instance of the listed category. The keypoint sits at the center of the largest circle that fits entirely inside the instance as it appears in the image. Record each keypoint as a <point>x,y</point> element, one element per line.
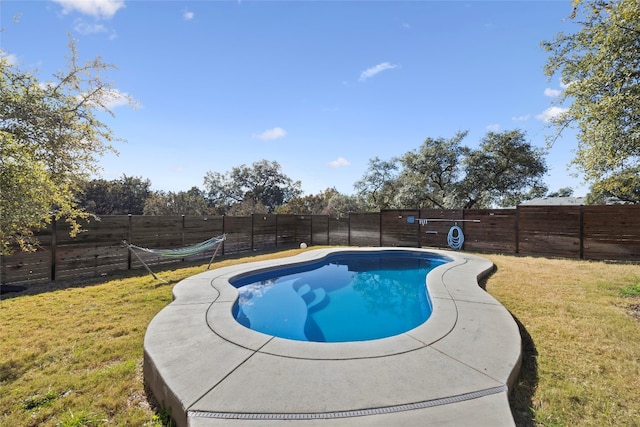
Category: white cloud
<point>9,57</point>
<point>86,28</point>
<point>271,134</point>
<point>523,118</point>
<point>551,113</point>
<point>565,85</point>
<point>339,162</point>
<point>493,127</point>
<point>96,8</point>
<point>113,98</point>
<point>552,93</point>
<point>188,16</point>
<point>370,72</point>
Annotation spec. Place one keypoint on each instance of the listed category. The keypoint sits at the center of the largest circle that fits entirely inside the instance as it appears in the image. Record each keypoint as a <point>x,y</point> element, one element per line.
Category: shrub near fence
<point>587,232</point>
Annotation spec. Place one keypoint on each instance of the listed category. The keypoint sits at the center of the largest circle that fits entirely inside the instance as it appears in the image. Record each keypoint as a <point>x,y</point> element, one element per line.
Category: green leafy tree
<point>123,196</point>
<point>430,173</point>
<point>339,205</point>
<point>444,174</point>
<point>246,208</point>
<point>50,140</point>
<point>192,202</point>
<point>562,192</point>
<point>131,194</point>
<point>601,67</point>
<point>312,204</point>
<point>504,171</point>
<point>328,202</point>
<point>377,188</point>
<point>262,184</point>
<point>96,196</point>
<point>24,204</point>
<point>623,187</point>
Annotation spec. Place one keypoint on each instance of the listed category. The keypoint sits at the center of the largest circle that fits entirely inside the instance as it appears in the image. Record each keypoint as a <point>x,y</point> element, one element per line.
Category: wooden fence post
<point>581,231</point>
<point>182,243</point>
<point>462,227</point>
<point>129,233</point>
<point>517,231</point>
<point>380,229</point>
<point>349,230</point>
<point>223,231</point>
<point>253,231</point>
<point>54,244</point>
<point>328,229</point>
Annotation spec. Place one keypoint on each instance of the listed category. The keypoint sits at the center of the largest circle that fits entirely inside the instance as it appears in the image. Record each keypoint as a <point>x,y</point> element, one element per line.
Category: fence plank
<point>339,231</point>
<point>496,231</point>
<point>612,232</point>
<point>96,251</point>
<point>303,229</point>
<point>550,230</point>
<point>364,229</point>
<point>397,228</point>
<point>264,231</point>
<point>238,231</point>
<point>594,232</point>
<point>319,230</point>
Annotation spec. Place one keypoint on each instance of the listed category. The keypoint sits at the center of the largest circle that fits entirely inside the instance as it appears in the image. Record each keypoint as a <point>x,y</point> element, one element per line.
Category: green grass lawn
<point>72,356</point>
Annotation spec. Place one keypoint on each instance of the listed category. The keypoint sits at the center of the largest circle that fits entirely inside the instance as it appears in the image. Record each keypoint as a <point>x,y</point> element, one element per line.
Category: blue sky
<point>321,87</point>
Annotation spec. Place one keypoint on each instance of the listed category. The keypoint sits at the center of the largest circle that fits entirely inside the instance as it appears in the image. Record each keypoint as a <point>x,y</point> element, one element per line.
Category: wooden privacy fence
<point>582,232</point>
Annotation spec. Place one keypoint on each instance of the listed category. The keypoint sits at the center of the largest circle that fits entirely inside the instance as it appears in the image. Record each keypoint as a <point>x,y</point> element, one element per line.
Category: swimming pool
<point>454,369</point>
<point>345,297</point>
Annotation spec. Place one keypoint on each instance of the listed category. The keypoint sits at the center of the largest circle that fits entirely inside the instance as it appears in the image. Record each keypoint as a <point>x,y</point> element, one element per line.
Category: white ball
<point>303,245</point>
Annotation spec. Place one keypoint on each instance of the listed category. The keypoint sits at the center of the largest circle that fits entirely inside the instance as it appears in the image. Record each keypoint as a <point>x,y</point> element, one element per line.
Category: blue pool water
<point>343,297</point>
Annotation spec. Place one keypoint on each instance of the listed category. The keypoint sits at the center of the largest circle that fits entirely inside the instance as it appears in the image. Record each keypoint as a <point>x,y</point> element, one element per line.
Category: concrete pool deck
<point>454,370</point>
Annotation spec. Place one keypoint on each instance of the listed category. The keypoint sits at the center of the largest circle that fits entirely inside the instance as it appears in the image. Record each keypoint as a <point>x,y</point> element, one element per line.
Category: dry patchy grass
<point>582,364</point>
<point>73,356</point>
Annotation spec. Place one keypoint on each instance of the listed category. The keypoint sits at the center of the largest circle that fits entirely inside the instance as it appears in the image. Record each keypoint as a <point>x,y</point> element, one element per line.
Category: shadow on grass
<point>162,415</point>
<point>17,290</point>
<point>521,397</point>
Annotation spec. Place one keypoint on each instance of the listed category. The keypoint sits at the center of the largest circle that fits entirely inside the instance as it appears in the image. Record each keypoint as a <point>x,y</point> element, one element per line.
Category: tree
<point>50,139</point>
<point>24,201</point>
<point>131,194</point>
<point>261,184</point>
<point>339,205</point>
<point>429,175</point>
<point>601,67</point>
<point>95,196</point>
<point>328,202</point>
<point>190,202</point>
<point>313,204</point>
<point>123,196</point>
<point>623,187</point>
<point>247,207</point>
<point>503,171</point>
<point>563,192</point>
<point>377,188</point>
<point>444,174</point>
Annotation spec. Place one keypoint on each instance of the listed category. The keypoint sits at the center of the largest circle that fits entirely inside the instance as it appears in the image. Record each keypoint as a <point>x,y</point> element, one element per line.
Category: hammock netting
<point>185,251</point>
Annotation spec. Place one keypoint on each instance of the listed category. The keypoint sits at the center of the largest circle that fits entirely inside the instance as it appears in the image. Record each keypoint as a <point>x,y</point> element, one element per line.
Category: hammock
<point>182,252</point>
